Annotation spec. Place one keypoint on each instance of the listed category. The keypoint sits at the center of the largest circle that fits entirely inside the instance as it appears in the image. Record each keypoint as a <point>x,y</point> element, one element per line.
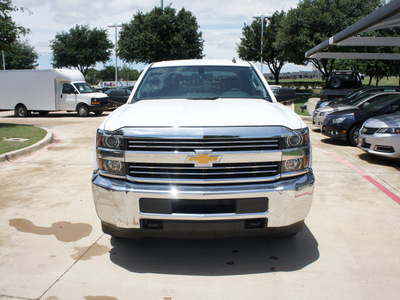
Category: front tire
<point>83,110</point>
<point>354,134</point>
<point>21,111</point>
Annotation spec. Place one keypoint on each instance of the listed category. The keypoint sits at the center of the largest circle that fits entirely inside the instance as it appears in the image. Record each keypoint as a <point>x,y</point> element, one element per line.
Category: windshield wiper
<point>205,98</point>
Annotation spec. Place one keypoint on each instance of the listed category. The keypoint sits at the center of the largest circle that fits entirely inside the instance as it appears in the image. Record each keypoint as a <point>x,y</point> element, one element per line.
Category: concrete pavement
<point>52,247</point>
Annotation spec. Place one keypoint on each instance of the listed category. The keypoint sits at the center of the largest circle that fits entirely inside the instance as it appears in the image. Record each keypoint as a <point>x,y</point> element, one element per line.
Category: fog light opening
<point>254,223</point>
<point>152,224</point>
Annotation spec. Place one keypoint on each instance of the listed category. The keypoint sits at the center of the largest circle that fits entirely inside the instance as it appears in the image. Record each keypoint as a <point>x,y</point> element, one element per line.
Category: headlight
<point>110,141</point>
<point>111,166</point>
<point>338,120</point>
<point>295,165</point>
<point>298,138</point>
<point>392,130</point>
<point>110,154</point>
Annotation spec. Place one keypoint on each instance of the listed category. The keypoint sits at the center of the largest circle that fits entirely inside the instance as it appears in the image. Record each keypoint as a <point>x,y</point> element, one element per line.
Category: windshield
<point>354,94</point>
<point>83,87</point>
<point>201,82</point>
<point>358,100</point>
<point>381,102</point>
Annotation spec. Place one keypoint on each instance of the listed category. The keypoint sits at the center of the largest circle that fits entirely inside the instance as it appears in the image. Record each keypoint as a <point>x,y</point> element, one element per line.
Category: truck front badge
<point>203,158</point>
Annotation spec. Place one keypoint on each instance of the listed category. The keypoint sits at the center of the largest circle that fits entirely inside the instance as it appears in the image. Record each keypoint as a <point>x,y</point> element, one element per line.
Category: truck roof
<point>200,62</point>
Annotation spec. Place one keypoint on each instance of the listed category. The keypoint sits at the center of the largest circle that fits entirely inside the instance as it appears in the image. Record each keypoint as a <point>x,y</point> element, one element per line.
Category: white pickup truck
<point>202,148</point>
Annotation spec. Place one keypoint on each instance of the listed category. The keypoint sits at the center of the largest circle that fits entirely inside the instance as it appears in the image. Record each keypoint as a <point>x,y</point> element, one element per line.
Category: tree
<point>160,35</point>
<point>314,21</point>
<point>9,30</point>
<point>20,55</point>
<point>81,48</point>
<point>249,47</point>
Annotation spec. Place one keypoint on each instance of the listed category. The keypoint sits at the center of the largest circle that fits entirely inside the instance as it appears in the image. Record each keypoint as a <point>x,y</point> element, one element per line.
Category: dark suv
<point>118,96</point>
<point>344,79</point>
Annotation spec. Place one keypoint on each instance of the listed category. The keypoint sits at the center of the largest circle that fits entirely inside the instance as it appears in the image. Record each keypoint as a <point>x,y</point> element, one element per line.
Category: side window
<point>67,88</point>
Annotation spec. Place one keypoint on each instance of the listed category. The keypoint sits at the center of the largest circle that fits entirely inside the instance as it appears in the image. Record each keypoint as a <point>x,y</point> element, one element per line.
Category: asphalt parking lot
<point>52,246</point>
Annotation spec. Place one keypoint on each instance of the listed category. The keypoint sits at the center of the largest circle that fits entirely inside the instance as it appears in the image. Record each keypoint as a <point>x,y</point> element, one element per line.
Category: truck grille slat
<point>188,171</point>
<point>189,145</point>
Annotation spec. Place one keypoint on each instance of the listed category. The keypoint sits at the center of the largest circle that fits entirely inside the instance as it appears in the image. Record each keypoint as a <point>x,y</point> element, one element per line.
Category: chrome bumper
<point>117,201</point>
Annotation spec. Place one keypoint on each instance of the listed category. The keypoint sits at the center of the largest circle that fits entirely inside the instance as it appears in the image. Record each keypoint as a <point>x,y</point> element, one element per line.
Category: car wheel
<point>21,111</point>
<point>335,82</point>
<point>83,110</point>
<point>354,134</point>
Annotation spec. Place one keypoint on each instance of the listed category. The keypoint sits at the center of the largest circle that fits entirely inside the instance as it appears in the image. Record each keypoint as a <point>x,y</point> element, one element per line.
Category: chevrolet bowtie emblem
<point>203,158</point>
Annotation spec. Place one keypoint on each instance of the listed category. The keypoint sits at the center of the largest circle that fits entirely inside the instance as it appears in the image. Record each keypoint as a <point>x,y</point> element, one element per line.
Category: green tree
<point>81,48</point>
<point>20,55</point>
<point>314,21</point>
<point>249,47</point>
<point>128,74</point>
<point>9,30</point>
<point>161,34</point>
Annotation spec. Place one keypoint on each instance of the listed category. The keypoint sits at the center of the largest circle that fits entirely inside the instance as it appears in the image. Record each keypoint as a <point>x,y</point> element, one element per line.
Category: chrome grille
<point>219,171</point>
<point>190,145</point>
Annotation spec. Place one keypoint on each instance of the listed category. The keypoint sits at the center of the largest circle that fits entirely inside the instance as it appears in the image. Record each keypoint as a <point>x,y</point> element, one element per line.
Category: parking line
<point>380,186</point>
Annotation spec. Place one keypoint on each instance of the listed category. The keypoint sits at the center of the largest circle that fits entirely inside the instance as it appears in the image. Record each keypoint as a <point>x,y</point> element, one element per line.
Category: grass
<point>300,100</point>
<point>385,81</point>
<point>12,131</point>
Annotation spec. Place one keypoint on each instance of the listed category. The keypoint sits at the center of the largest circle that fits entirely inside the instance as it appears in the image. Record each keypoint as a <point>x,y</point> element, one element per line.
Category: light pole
<point>4,60</point>
<point>262,17</point>
<point>116,25</point>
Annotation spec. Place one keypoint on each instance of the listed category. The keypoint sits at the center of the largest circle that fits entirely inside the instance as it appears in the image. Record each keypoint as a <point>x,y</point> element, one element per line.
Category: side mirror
<point>284,94</point>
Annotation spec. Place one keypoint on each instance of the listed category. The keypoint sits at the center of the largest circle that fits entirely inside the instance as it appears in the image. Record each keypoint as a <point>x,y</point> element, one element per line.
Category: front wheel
<point>83,110</point>
<point>21,111</point>
<point>354,134</point>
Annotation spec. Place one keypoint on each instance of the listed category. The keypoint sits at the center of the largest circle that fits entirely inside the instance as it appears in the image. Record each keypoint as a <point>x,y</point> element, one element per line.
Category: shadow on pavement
<point>376,160</point>
<point>216,257</point>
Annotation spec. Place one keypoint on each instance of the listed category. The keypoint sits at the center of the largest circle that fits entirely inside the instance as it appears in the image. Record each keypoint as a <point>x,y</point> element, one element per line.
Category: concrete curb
<point>13,155</point>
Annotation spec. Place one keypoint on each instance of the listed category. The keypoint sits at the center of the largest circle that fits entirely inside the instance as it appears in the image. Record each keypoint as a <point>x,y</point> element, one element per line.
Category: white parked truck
<point>26,91</point>
<point>202,148</point>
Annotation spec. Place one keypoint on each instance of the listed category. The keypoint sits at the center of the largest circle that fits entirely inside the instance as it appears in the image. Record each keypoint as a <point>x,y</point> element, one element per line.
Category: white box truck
<point>42,91</point>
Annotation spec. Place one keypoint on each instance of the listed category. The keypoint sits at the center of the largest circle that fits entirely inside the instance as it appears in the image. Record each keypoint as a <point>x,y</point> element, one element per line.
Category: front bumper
<point>336,132</point>
<point>98,107</point>
<point>118,205</point>
<point>380,144</point>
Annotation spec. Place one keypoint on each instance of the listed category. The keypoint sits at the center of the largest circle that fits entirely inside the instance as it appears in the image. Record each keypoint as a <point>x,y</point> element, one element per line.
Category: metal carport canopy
<point>384,17</point>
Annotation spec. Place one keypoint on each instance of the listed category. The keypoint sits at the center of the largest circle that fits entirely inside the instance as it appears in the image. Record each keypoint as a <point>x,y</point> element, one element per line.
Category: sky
<point>221,22</point>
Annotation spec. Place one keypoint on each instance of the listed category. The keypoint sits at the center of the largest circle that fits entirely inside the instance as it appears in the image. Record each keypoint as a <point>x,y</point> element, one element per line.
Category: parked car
<point>381,136</point>
<point>119,96</point>
<point>357,94</point>
<point>359,102</point>
<point>283,94</point>
<point>345,125</point>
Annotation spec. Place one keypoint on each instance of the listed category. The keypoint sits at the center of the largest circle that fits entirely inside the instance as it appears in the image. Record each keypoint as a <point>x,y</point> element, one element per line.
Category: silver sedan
<point>381,136</point>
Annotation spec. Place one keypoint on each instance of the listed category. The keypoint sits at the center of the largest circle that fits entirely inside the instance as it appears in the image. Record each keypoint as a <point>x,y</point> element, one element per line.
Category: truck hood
<point>96,95</point>
<point>202,113</point>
